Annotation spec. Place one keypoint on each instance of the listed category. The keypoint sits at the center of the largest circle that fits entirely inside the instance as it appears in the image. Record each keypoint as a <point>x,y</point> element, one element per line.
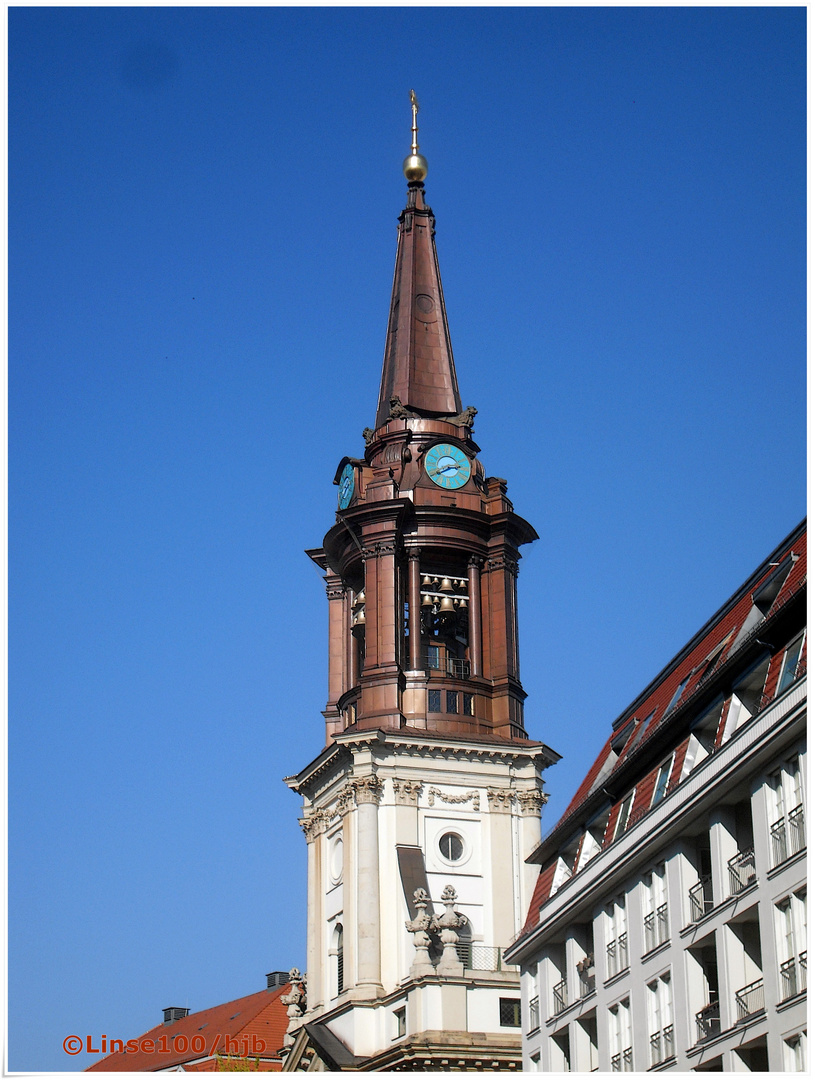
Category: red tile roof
<point>251,1027</point>
<point>714,645</point>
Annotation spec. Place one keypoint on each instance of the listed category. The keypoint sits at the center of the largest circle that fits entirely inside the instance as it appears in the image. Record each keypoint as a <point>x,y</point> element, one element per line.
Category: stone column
<point>314,826</point>
<point>474,613</point>
<point>368,791</point>
<point>414,610</point>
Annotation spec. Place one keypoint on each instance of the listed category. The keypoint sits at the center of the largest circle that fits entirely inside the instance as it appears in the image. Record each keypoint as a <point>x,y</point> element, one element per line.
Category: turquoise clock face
<point>346,486</point>
<point>447,465</point>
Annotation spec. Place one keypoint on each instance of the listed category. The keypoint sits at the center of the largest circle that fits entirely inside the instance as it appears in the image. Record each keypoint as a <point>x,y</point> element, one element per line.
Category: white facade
<point>682,945</point>
<point>467,813</point>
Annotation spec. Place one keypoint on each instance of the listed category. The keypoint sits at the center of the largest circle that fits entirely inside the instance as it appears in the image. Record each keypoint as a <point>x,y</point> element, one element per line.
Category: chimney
<point>175,1013</point>
<point>276,978</point>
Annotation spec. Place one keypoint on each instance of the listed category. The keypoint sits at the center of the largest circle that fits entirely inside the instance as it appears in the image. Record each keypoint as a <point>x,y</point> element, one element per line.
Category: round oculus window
<point>451,846</point>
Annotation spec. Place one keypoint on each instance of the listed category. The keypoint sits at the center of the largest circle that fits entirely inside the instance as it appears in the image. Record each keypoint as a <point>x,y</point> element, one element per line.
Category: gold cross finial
<point>414,105</point>
<point>414,165</point>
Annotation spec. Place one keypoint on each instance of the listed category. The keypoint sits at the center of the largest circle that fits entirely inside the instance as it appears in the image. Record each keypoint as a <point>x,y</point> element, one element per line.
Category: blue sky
<point>202,212</point>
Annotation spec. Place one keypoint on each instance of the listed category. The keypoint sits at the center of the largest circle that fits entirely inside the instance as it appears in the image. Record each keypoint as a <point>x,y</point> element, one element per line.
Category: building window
<point>791,929</point>
<point>434,656</point>
<point>622,816</point>
<point>509,1012</point>
<point>790,666</point>
<point>340,954</point>
<point>677,695</point>
<point>787,832</point>
<point>451,846</point>
<point>795,1053</point>
<point>400,1016</point>
<point>660,1019</point>
<point>622,1055</point>
<point>617,938</point>
<point>535,1062</point>
<point>452,701</point>
<point>468,705</point>
<point>661,784</point>
<point>655,923</point>
<point>434,700</point>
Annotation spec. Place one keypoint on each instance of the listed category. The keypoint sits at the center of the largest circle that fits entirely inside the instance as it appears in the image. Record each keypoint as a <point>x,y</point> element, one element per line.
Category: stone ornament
<point>531,802</point>
<point>367,789</point>
<point>422,964</point>
<point>296,1002</point>
<point>436,793</point>
<point>447,926</point>
<point>406,792</point>
<point>500,799</point>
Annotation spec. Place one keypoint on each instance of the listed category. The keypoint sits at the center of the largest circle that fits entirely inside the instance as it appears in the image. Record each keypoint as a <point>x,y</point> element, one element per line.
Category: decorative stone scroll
<point>500,799</point>
<point>436,793</point>
<point>367,789</point>
<point>406,792</point>
<point>315,824</point>
<point>532,801</point>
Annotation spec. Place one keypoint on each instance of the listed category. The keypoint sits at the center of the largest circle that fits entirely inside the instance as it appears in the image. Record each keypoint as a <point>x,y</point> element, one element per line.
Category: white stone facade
<point>682,945</point>
<point>469,813</point>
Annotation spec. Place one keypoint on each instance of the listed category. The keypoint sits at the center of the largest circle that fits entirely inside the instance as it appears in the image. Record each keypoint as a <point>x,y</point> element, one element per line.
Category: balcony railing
<point>742,871</point>
<point>560,998</point>
<point>708,1021</point>
<point>482,957</point>
<point>623,1062</point>
<point>617,955</point>
<point>788,835</point>
<point>750,999</point>
<point>459,669</point>
<point>794,976</point>
<point>656,927</point>
<point>586,982</point>
<point>534,1014</point>
<point>662,1045</point>
<point>701,898</point>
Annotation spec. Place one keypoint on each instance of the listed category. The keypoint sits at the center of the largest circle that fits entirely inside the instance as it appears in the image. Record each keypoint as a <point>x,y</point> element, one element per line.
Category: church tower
<point>426,799</point>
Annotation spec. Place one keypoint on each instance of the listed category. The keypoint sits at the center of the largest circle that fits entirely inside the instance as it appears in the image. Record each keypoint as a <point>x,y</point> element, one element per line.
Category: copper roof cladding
<point>262,1015</point>
<point>656,705</point>
<point>418,366</point>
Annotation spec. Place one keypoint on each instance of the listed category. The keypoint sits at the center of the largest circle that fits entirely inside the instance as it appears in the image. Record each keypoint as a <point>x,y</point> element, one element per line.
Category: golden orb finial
<point>415,164</point>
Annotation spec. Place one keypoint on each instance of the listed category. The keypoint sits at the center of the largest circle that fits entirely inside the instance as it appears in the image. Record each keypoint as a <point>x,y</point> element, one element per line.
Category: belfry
<point>426,799</point>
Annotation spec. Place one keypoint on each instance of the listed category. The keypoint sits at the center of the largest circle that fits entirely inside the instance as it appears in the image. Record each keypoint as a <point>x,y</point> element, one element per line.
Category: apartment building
<point>668,925</point>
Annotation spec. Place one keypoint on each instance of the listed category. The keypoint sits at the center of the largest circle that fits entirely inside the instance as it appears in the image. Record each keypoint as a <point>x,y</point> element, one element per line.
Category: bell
<point>359,598</point>
<point>427,601</point>
<point>359,618</point>
<point>426,582</point>
<point>463,605</point>
<point>445,585</point>
<point>446,604</point>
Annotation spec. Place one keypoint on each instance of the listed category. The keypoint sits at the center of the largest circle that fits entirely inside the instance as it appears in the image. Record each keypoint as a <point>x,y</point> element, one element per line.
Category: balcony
<point>750,999</point>
<point>701,898</point>
<point>586,982</point>
<point>477,957</point>
<point>623,1062</point>
<point>459,669</point>
<point>742,871</point>
<point>656,927</point>
<point>794,976</point>
<point>560,998</point>
<point>617,956</point>
<point>534,1014</point>
<point>662,1045</point>
<point>708,1022</point>
<point>788,835</point>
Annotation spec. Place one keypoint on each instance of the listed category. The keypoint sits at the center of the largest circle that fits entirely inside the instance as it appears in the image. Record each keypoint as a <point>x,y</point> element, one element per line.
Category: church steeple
<point>418,366</point>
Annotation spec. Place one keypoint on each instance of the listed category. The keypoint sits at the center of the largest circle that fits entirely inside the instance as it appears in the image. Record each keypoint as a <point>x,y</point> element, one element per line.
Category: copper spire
<point>418,367</point>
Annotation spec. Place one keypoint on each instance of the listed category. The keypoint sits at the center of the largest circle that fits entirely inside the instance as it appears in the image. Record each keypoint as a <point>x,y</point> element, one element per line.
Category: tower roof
<point>418,366</point>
